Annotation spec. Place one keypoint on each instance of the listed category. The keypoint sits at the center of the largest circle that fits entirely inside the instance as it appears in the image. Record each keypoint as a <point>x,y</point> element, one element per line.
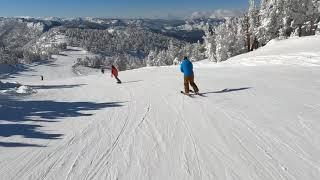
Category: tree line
<point>271,19</point>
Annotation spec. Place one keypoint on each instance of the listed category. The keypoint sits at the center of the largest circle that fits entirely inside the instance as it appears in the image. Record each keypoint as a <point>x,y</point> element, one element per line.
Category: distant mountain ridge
<point>26,39</point>
<point>190,30</point>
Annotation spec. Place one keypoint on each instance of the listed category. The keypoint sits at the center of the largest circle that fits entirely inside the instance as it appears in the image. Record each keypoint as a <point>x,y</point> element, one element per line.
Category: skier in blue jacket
<point>186,68</point>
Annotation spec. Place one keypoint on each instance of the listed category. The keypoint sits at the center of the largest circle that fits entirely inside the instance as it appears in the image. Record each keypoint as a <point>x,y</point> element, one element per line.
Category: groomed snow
<point>294,51</point>
<point>254,122</point>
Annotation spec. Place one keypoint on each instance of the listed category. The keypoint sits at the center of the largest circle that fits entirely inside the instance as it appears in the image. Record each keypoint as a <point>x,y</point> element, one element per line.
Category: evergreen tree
<point>210,44</point>
<point>270,15</point>
<point>318,29</point>
<point>253,20</point>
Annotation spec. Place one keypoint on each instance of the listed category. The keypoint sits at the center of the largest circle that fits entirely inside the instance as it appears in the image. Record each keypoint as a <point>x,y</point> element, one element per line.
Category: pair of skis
<point>192,93</point>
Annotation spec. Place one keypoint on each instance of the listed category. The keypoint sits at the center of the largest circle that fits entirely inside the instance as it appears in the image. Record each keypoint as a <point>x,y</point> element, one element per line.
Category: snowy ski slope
<point>259,119</point>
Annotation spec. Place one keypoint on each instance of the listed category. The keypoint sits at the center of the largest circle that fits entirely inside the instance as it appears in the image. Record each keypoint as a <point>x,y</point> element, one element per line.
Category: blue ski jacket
<point>186,67</point>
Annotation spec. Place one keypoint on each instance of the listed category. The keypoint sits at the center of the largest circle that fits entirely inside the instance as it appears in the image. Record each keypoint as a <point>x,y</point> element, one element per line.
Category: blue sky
<point>114,8</point>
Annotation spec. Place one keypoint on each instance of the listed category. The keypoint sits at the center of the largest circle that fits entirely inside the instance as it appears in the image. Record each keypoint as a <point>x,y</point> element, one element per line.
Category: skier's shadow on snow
<point>128,82</point>
<point>11,144</point>
<point>227,90</point>
<point>21,118</point>
<point>56,86</point>
<point>9,85</point>
<point>67,50</point>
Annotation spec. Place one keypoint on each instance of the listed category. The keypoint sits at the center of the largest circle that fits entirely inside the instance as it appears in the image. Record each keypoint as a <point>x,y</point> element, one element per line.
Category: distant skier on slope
<point>186,68</point>
<point>114,72</point>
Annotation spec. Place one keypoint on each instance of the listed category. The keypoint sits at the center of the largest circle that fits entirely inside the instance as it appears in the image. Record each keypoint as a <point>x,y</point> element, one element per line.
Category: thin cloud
<point>219,13</point>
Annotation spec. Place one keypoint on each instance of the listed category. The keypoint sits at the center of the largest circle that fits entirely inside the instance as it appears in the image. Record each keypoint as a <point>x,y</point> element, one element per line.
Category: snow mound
<point>15,88</point>
<point>294,51</point>
<point>25,90</point>
<point>303,51</point>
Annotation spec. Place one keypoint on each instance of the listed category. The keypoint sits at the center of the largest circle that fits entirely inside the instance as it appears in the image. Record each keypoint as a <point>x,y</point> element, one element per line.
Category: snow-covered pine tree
<point>151,58</point>
<point>160,58</point>
<point>294,12</point>
<point>298,17</point>
<point>313,14</point>
<point>271,20</point>
<point>120,62</point>
<point>253,23</point>
<point>210,43</point>
<point>225,39</point>
<point>318,29</point>
<point>230,38</point>
<point>176,61</point>
<point>240,43</point>
<point>172,53</point>
<point>197,52</point>
<point>187,50</point>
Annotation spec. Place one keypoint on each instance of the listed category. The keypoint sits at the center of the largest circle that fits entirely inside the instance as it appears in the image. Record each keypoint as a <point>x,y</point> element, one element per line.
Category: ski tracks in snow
<point>187,127</point>
<point>104,159</point>
<point>161,134</point>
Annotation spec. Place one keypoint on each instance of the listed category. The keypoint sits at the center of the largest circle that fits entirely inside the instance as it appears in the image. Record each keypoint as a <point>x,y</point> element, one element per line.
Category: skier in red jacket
<point>114,72</point>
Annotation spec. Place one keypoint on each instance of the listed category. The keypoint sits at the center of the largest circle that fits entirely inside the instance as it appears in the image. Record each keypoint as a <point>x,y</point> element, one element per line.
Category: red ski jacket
<point>114,72</point>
